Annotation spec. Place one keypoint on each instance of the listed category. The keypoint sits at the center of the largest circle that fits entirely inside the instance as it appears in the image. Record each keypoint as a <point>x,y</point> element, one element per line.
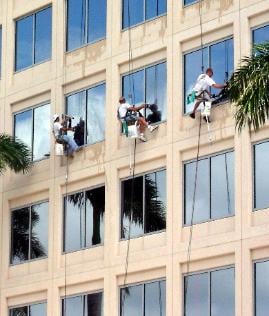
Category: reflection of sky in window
<point>155,298</point>
<point>134,14</point>
<point>38,310</point>
<point>96,20</point>
<point>0,51</point>
<point>23,127</point>
<point>131,301</point>
<point>261,34</point>
<point>134,87</point>
<point>262,288</point>
<point>73,306</point>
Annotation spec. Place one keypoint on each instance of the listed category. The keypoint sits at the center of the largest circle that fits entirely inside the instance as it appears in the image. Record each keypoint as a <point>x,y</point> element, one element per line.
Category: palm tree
<point>249,89</point>
<point>14,154</point>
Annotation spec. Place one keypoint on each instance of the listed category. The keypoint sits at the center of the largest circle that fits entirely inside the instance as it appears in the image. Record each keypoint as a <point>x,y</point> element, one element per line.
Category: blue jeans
<point>72,146</point>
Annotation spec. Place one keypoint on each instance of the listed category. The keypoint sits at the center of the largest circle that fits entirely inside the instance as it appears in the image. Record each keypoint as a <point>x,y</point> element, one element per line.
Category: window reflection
<point>261,288</point>
<point>261,34</point>
<point>84,219</point>
<point>39,309</point>
<point>147,86</point>
<point>0,51</point>
<point>143,204</point>
<point>29,233</point>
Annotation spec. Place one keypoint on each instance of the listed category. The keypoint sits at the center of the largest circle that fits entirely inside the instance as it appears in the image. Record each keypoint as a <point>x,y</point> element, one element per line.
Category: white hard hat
<point>54,117</point>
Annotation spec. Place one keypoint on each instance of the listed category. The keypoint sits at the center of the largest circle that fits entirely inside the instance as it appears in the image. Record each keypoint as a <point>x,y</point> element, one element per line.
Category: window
<point>261,269</point>
<point>219,56</point>
<point>39,309</point>
<point>83,305</point>
<point>29,232</point>
<point>261,175</point>
<point>86,22</point>
<point>0,51</point>
<point>144,299</point>
<point>84,219</point>
<point>147,85</point>
<point>143,204</point>
<point>261,34</point>
<point>138,11</point>
<point>214,196</point>
<point>32,126</point>
<point>186,2</point>
<point>33,39</point>
<point>88,109</point>
<point>210,293</point>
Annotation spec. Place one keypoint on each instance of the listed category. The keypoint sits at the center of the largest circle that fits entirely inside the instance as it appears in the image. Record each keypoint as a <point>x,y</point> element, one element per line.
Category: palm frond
<point>14,154</point>
<point>248,89</point>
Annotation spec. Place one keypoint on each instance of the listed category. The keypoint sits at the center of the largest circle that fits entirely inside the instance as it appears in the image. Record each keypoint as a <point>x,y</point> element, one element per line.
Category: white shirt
<point>123,108</point>
<point>57,129</point>
<point>203,82</point>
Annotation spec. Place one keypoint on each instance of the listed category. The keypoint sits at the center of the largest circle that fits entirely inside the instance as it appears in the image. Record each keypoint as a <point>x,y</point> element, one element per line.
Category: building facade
<point>82,236</point>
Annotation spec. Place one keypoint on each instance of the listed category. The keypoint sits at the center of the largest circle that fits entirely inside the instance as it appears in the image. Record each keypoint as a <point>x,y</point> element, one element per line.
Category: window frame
<point>28,14</point>
<point>254,28</point>
<point>185,162</point>
<point>30,205</point>
<point>103,82</point>
<point>97,186</point>
<point>32,109</point>
<point>159,62</point>
<point>208,271</point>
<point>123,29</point>
<point>121,198</point>
<point>196,49</point>
<point>27,305</point>
<point>161,279</point>
<point>189,4</point>
<point>86,43</point>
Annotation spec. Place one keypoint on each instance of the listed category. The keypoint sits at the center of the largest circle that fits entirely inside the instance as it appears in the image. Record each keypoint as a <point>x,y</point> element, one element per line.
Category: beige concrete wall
<point>232,241</point>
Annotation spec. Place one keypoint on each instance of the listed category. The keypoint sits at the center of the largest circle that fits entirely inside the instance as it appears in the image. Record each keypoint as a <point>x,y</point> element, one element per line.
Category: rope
<point>227,185</point>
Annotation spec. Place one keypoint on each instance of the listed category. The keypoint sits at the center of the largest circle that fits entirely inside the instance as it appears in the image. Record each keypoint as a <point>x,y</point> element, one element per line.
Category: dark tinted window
<point>33,128</point>
<point>261,175</point>
<point>219,56</point>
<point>210,293</point>
<point>143,204</point>
<point>84,219</point>
<point>189,1</point>
<point>138,11</point>
<point>86,22</point>
<point>33,39</point>
<point>39,309</point>
<point>29,233</point>
<point>147,86</point>
<point>261,288</point>
<point>83,305</point>
<point>143,300</point>
<point>88,109</point>
<point>214,197</point>
<point>261,34</point>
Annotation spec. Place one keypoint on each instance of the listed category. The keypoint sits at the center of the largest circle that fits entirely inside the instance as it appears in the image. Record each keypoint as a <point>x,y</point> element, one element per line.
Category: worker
<point>201,89</point>
<point>130,113</point>
<point>60,133</point>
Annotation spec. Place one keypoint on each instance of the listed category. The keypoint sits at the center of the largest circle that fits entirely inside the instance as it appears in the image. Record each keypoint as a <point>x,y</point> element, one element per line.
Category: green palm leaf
<point>14,154</point>
<point>249,89</point>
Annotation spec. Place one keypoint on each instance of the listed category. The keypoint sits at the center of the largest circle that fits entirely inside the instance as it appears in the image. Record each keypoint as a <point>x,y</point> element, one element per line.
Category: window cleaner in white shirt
<point>201,89</point>
<point>58,131</point>
<point>130,113</point>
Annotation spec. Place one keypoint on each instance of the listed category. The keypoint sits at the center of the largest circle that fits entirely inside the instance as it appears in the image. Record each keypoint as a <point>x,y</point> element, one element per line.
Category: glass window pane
<point>73,306</point>
<point>132,208</point>
<point>151,8</point>
<point>134,87</point>
<point>20,222</point>
<point>197,295</point>
<point>39,233</point>
<point>94,304</point>
<point>156,93</point>
<point>76,107</point>
<point>133,12</point>
<point>42,131</point>
<point>218,63</point>
<point>38,310</point>
<point>222,293</point>
<point>229,55</point>
<point>97,20</point>
<point>24,43</point>
<point>75,23</point>
<point>155,297</point>
<point>189,1</point>
<point>0,51</point>
<point>74,222</point>
<point>19,311</point>
<point>95,209</point>
<point>261,175</point>
<point>261,34</point>
<point>155,201</point>
<point>43,27</point>
<point>23,127</point>
<point>132,301</point>
<point>262,288</point>
<point>162,6</point>
<point>201,205</point>
<point>96,114</point>
<point>222,185</point>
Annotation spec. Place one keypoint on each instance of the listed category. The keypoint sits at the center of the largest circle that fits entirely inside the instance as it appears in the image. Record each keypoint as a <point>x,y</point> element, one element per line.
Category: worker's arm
<point>137,108</point>
<point>219,86</point>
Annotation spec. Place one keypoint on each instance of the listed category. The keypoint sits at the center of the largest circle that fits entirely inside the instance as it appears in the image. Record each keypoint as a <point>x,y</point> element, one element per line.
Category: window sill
<point>31,66</point>
<point>190,4</point>
<point>85,45</point>
<point>82,249</point>
<point>212,107</point>
<point>41,159</point>
<point>144,235</point>
<point>208,221</point>
<point>143,22</point>
<point>27,261</point>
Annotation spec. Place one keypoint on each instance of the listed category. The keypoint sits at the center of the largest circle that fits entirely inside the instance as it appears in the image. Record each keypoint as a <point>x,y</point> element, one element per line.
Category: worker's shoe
<point>153,128</point>
<point>192,115</point>
<point>142,138</point>
<point>207,120</point>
